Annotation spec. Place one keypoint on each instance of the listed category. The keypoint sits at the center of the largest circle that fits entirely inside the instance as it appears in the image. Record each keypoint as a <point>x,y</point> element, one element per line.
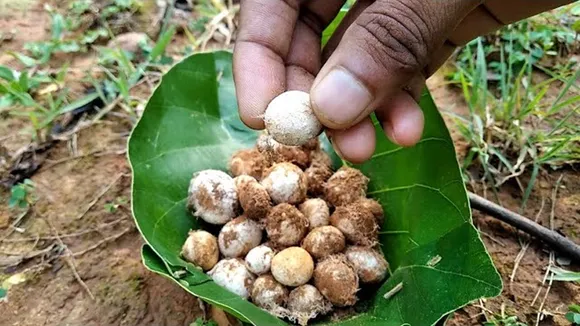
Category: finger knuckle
<point>397,37</point>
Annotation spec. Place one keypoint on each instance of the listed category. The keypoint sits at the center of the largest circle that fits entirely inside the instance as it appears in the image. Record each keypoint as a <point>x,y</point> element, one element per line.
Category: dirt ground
<point>105,282</point>
<point>505,243</point>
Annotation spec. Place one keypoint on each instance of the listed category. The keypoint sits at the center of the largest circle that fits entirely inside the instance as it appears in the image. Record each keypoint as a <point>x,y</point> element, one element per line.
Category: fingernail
<point>330,137</point>
<point>337,151</point>
<point>340,97</point>
<point>407,129</point>
<point>389,130</point>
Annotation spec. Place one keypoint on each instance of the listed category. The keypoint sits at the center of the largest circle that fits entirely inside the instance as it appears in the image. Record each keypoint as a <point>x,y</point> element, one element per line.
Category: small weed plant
<point>69,33</point>
<point>22,195</point>
<point>545,41</point>
<point>513,123</point>
<point>113,206</point>
<point>573,314</point>
<point>504,321</point>
<point>201,322</point>
<point>40,94</point>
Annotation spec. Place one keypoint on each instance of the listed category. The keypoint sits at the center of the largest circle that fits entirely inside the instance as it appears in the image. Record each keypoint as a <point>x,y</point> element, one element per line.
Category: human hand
<point>377,60</point>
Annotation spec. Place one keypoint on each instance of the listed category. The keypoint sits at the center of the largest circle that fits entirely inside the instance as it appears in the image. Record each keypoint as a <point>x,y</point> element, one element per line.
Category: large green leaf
<point>191,123</point>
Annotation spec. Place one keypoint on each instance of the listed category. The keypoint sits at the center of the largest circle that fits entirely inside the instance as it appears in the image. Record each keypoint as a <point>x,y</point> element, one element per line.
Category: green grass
<point>504,321</point>
<point>41,95</point>
<point>545,41</point>
<point>29,93</point>
<point>68,33</point>
<point>515,124</point>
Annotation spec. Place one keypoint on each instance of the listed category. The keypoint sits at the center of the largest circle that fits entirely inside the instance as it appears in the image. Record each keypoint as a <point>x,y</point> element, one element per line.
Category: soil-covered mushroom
<point>248,162</point>
<point>233,275</point>
<point>316,211</point>
<point>285,183</point>
<point>324,241</point>
<point>201,249</point>
<point>292,266</point>
<point>269,294</point>
<point>374,207</point>
<point>370,265</point>
<point>337,281</point>
<point>345,186</point>
<point>290,119</point>
<point>253,197</point>
<point>358,225</point>
<point>285,225</point>
<point>259,259</point>
<point>274,152</point>
<point>306,302</point>
<point>316,175</point>
<point>239,236</point>
<point>213,196</point>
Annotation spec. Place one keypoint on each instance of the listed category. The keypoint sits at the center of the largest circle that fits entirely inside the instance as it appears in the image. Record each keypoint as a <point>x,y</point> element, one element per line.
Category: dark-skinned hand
<point>377,61</point>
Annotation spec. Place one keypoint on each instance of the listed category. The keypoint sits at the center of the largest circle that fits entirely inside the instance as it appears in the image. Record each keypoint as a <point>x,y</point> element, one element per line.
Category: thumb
<point>387,45</point>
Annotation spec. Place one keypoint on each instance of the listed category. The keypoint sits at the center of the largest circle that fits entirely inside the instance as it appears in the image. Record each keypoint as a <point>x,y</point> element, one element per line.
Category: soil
<point>106,246</point>
<point>504,242</point>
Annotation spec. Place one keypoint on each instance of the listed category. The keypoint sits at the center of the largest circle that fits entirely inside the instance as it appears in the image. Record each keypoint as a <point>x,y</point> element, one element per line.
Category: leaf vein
<point>186,148</point>
<point>164,215</point>
<point>422,186</point>
<point>451,273</point>
<point>424,140</point>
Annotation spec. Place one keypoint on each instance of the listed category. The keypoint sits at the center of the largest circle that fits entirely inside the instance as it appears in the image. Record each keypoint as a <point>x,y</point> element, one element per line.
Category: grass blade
<point>162,42</point>
<point>530,186</point>
<point>534,103</point>
<point>502,158</point>
<point>78,103</point>
<point>563,121</point>
<point>556,108</point>
<point>567,85</point>
<point>561,274</point>
<point>553,151</point>
<point>26,60</point>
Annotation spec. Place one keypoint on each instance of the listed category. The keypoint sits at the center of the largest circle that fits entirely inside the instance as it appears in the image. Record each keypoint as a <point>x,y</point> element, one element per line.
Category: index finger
<point>262,45</point>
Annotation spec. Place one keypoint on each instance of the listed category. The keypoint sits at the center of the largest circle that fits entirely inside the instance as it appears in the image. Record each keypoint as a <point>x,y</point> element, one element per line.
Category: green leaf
<point>26,60</point>
<point>191,123</point>
<point>68,47</point>
<point>573,318</point>
<point>23,81</point>
<point>576,26</point>
<point>92,35</point>
<point>18,192</point>
<point>6,73</point>
<point>6,100</point>
<point>78,103</point>
<point>57,27</point>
